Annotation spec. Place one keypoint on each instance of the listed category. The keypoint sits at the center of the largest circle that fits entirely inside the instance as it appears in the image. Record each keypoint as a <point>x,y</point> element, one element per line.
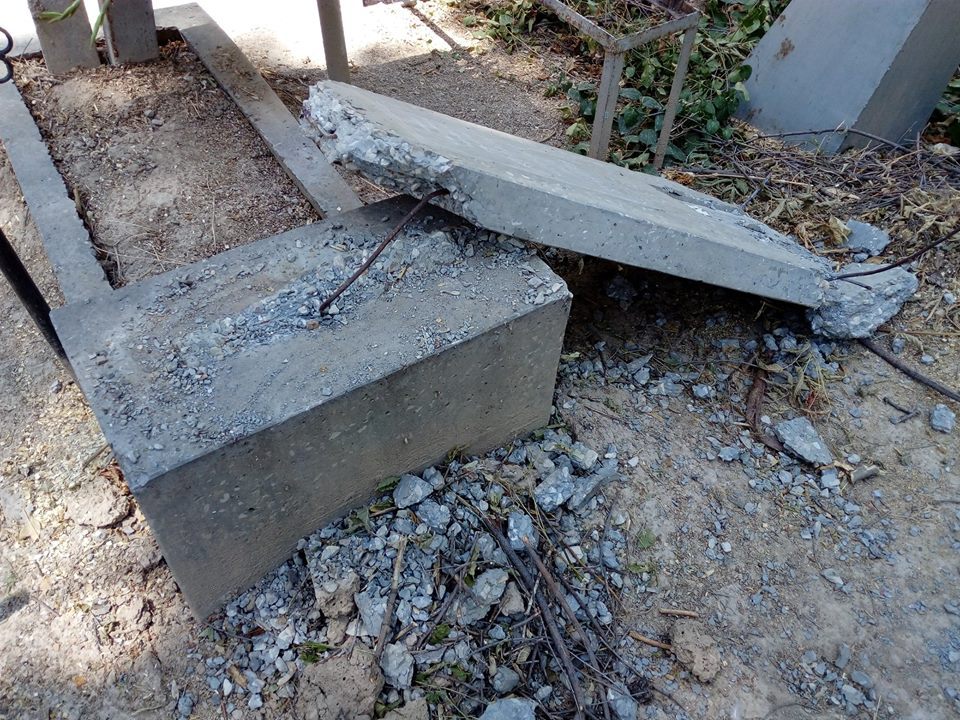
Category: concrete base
<point>554,197</point>
<point>243,420</point>
<point>876,67</point>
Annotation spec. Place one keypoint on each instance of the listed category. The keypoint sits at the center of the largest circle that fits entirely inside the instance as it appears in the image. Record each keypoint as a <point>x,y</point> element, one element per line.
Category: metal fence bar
<point>30,296</point>
<point>674,100</point>
<point>607,96</point>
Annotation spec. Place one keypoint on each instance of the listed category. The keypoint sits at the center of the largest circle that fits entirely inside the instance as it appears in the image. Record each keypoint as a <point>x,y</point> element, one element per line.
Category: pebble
<point>555,490</point>
<point>520,530</point>
<point>410,491</point>
<point>843,656</point>
<point>866,238</point>
<point>801,438</point>
<point>397,665</point>
<point>504,680</point>
<point>942,418</point>
<point>510,709</point>
<point>622,704</point>
<point>832,576</point>
<point>185,705</point>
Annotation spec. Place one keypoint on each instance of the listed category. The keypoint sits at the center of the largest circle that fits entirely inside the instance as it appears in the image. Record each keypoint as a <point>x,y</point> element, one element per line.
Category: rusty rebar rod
<point>380,248</point>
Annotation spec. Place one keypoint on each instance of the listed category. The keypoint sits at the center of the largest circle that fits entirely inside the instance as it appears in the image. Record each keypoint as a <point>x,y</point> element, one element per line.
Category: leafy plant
<point>946,116</point>
<point>713,87</point>
<point>646,540</point>
<point>311,652</point>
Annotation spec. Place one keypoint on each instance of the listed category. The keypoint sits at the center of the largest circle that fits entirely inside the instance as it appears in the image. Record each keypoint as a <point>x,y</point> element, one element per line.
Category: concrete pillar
<point>334,44</point>
<point>131,31</point>
<point>876,67</point>
<point>65,43</point>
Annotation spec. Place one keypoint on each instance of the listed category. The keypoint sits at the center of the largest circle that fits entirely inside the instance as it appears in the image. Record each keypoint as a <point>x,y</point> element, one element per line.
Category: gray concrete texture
<point>66,43</point>
<point>320,183</point>
<point>130,31</point>
<point>558,198</point>
<point>66,241</point>
<point>244,420</point>
<point>876,66</point>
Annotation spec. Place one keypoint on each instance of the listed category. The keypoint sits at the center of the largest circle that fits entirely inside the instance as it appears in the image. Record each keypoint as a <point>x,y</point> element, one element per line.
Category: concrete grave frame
<point>330,446</point>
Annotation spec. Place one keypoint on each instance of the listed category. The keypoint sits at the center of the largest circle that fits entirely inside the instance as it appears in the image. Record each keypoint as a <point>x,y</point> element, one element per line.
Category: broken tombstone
<point>233,441</point>
<point>855,308</point>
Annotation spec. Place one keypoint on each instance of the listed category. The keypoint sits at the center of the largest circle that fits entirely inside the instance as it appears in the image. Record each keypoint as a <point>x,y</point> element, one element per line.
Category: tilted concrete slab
<point>554,197</point>
<point>244,421</point>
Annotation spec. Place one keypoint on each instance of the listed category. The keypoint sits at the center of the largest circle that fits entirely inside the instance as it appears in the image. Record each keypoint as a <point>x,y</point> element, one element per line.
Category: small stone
<point>832,576</point>
<point>843,657</point>
<point>520,530</point>
<point>397,666</point>
<point>729,453</point>
<point>862,679</point>
<point>555,490</point>
<point>436,516</point>
<point>865,238</point>
<point>852,696</point>
<point>504,680</point>
<point>584,489</point>
<point>150,113</point>
<point>622,704</point>
<point>410,490</point>
<point>801,439</point>
<point>185,705</point>
<point>949,298</point>
<point>490,585</point>
<point>927,359</point>
<point>543,693</point>
<point>255,702</point>
<point>582,457</point>
<point>942,418</point>
<point>512,601</point>
<point>510,709</point>
<point>695,648</point>
<point>702,391</point>
<point>898,345</point>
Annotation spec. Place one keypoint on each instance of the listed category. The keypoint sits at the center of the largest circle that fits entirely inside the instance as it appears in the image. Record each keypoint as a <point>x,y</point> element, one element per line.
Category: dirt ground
<point>91,622</point>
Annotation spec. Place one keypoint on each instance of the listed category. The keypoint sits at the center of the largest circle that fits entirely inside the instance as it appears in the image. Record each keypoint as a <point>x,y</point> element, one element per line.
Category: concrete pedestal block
<point>244,421</point>
<point>876,67</point>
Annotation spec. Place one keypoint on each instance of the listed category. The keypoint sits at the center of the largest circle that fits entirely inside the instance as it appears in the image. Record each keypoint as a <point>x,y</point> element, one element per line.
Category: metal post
<point>30,295</point>
<point>334,44</point>
<point>674,100</point>
<point>606,103</point>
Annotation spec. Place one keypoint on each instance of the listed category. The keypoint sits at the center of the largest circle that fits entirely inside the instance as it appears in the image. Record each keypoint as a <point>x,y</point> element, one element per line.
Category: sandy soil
<point>91,622</point>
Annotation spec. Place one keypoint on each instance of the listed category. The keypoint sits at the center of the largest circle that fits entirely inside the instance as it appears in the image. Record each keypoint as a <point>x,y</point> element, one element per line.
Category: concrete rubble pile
<point>461,613</point>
